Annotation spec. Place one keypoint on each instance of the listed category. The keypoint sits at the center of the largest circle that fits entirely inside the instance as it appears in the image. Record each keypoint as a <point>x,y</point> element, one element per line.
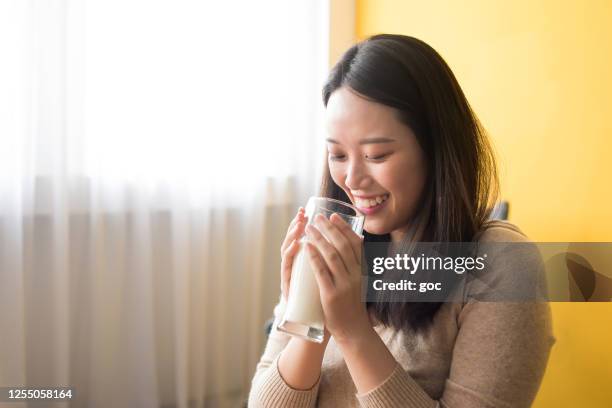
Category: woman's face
<point>376,160</point>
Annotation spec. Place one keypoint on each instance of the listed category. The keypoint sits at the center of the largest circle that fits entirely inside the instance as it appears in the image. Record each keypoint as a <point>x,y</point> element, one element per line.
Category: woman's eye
<point>340,157</point>
<point>336,157</point>
<point>377,157</point>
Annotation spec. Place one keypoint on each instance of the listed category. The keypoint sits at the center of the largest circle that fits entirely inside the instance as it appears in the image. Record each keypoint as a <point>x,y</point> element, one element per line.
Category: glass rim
<point>358,214</point>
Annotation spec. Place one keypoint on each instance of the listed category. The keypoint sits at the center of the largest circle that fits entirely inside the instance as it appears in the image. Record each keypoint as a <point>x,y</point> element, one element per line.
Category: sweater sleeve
<point>399,390</point>
<point>268,389</point>
<point>500,355</point>
<point>498,360</point>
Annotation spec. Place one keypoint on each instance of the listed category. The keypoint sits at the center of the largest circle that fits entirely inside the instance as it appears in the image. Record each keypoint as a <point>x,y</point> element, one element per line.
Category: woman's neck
<point>398,236</point>
<point>409,231</point>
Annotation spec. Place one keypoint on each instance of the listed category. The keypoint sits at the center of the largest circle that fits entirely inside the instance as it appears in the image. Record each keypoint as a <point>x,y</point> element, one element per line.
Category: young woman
<point>405,147</point>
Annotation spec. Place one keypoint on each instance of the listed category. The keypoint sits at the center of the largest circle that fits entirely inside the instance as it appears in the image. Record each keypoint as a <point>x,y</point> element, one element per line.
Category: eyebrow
<point>366,141</point>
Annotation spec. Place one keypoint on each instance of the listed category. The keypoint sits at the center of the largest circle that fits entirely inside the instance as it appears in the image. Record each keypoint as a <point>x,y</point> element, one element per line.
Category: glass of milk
<point>304,314</point>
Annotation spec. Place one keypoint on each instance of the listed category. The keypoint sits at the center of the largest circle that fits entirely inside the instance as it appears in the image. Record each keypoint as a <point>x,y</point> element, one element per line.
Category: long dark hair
<point>462,187</point>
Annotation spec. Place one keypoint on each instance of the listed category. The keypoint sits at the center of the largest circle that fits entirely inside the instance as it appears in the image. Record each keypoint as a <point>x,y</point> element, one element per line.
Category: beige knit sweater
<point>477,354</point>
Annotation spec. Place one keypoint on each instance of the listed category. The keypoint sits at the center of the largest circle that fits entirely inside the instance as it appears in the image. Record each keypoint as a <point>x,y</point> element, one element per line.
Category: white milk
<point>304,305</point>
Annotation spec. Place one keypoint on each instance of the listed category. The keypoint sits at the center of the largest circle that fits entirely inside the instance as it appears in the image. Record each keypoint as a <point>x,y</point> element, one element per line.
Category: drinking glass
<point>303,315</point>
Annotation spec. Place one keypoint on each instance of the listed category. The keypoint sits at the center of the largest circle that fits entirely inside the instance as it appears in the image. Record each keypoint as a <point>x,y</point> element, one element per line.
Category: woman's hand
<point>289,249</point>
<point>337,266</point>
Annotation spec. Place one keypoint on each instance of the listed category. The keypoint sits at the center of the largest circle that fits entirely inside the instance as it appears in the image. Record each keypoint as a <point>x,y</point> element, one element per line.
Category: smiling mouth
<point>370,202</point>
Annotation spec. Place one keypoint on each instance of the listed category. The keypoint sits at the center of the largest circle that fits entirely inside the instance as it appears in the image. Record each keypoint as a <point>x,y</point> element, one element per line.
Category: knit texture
<point>475,354</point>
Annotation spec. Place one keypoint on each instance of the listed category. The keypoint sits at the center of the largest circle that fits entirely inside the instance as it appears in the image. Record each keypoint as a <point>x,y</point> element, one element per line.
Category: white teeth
<point>370,202</point>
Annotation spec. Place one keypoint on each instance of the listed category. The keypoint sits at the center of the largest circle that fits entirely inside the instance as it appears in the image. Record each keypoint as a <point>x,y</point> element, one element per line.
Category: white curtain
<point>152,154</point>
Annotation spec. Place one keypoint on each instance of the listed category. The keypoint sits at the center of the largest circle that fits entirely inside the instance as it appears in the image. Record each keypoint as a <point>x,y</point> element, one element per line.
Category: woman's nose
<point>356,176</point>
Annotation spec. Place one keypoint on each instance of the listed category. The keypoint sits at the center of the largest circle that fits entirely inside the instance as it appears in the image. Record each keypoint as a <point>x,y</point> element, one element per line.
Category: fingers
<point>298,216</point>
<point>322,275</point>
<point>295,230</point>
<point>338,266</point>
<point>355,240</point>
<point>286,265</point>
<point>338,252</point>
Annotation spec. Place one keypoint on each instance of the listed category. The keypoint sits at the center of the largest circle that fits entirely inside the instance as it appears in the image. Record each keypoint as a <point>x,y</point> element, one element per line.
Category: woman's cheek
<point>336,175</point>
<point>386,177</point>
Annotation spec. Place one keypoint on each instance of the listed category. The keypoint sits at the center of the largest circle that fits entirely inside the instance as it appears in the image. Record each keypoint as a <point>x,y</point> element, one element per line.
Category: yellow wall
<point>539,76</point>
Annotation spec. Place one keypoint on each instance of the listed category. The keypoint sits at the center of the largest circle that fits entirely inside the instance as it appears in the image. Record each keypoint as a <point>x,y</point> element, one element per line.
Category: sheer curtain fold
<point>152,156</point>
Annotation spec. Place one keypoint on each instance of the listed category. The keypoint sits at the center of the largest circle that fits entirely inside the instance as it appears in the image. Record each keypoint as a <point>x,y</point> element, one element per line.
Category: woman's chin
<point>375,229</point>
